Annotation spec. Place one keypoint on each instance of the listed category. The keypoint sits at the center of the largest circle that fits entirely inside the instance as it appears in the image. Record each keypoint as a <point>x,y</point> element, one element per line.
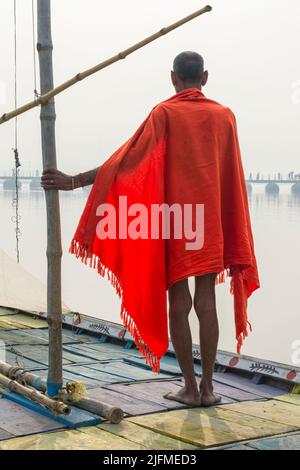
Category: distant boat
<point>10,185</point>
<point>35,185</point>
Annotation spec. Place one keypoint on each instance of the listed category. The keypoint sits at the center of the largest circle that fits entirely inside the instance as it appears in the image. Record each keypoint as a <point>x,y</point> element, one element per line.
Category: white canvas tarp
<point>19,289</point>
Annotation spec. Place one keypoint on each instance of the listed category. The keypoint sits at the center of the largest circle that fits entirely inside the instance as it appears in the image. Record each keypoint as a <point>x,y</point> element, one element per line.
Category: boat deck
<point>251,416</point>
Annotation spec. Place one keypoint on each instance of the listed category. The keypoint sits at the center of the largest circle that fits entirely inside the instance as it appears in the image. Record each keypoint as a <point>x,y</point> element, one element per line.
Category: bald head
<point>188,71</point>
<point>189,66</point>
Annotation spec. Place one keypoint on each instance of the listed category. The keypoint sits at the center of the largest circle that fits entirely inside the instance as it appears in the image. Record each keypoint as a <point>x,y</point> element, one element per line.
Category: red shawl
<point>186,152</point>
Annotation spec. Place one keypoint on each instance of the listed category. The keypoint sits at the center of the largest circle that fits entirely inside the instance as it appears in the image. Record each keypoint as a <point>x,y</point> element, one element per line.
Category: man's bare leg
<point>205,307</point>
<point>180,301</point>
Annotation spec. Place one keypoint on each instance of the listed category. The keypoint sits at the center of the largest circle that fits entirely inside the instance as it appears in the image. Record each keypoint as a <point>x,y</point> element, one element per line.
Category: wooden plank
<point>290,442</point>
<point>168,364</point>
<point>75,419</point>
<point>128,371</point>
<point>74,377</point>
<point>289,398</point>
<point>93,355</point>
<point>69,336</point>
<point>23,321</point>
<point>153,392</point>
<point>146,437</point>
<point>266,427</point>
<point>7,325</point>
<point>295,389</point>
<point>18,420</point>
<point>242,383</point>
<point>38,354</point>
<point>4,311</point>
<point>15,337</point>
<point>131,405</point>
<point>107,348</point>
<point>90,439</point>
<point>235,394</point>
<point>237,447</point>
<point>96,374</point>
<point>34,336</point>
<point>15,359</point>
<point>272,410</point>
<point>5,435</point>
<point>76,357</point>
<point>97,435</point>
<point>200,427</point>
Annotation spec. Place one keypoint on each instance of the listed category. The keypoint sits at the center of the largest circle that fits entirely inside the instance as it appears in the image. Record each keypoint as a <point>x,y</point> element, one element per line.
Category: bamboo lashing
<point>43,99</point>
<point>56,406</point>
<point>23,377</point>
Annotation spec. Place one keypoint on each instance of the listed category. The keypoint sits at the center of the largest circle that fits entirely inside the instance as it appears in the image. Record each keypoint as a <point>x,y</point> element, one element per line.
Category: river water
<point>273,310</point>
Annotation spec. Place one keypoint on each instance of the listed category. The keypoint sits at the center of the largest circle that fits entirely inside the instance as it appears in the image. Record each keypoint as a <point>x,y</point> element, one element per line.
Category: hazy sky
<point>251,50</point>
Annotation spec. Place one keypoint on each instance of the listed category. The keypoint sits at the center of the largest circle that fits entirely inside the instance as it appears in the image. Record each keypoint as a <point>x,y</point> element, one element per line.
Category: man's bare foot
<point>209,399</point>
<point>184,396</point>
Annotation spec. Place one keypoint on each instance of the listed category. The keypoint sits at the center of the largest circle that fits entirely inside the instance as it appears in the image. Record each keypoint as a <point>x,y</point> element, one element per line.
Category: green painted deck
<point>251,416</point>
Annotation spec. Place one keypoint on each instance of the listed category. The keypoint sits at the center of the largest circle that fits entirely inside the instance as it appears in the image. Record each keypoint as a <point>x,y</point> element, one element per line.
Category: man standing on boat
<point>185,153</point>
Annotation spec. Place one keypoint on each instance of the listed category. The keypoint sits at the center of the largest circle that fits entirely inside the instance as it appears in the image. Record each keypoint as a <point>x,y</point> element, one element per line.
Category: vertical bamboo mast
<point>54,249</point>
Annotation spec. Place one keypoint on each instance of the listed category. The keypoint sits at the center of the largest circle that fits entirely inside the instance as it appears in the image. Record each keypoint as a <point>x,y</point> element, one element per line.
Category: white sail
<point>21,290</point>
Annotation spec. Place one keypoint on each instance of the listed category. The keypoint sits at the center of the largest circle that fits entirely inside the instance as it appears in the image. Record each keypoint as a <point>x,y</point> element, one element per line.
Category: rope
<point>19,359</point>
<point>36,93</point>
<point>15,61</point>
<point>15,201</point>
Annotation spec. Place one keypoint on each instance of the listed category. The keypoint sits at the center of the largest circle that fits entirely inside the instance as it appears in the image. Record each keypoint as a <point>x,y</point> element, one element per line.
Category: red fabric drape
<point>185,152</point>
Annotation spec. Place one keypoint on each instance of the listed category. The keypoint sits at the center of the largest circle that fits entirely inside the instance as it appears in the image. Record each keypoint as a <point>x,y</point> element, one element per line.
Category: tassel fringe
<point>220,279</point>
<point>222,276</point>
<point>84,254</point>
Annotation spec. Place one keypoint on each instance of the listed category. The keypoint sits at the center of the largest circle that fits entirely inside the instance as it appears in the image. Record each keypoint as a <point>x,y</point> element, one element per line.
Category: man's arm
<point>55,179</point>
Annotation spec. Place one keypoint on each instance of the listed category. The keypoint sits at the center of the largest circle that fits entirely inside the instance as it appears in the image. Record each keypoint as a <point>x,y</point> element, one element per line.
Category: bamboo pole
<point>23,377</point>
<point>111,413</point>
<point>53,405</point>
<point>54,249</point>
<point>46,96</point>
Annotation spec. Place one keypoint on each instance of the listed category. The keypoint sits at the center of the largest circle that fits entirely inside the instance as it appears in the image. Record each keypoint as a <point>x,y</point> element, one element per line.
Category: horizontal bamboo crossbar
<point>81,76</point>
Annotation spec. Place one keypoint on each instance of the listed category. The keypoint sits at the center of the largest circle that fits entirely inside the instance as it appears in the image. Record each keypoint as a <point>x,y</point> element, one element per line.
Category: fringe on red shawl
<point>84,254</point>
<point>238,289</point>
